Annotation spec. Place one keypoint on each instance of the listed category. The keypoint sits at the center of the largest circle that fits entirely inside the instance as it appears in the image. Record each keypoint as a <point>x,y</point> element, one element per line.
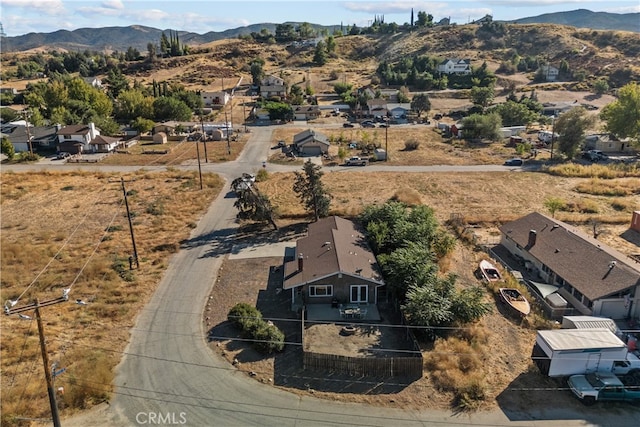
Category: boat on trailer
<point>489,271</point>
<point>516,300</point>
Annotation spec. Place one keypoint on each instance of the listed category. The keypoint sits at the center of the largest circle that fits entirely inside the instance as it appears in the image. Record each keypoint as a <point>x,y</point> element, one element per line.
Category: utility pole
<point>199,167</point>
<point>204,139</point>
<point>386,142</point>
<point>226,123</point>
<point>43,347</point>
<point>26,120</point>
<point>244,114</point>
<point>553,135</point>
<point>133,240</point>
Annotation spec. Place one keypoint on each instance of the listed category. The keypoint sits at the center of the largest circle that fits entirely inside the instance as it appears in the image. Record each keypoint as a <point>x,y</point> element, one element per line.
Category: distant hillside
<point>583,18</point>
<point>121,38</point>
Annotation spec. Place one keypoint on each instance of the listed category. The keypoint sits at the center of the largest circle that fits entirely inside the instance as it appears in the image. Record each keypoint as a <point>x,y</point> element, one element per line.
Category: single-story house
<point>305,112</point>
<point>215,99</point>
<point>594,278</point>
<point>333,264</point>
<point>607,143</point>
<point>272,80</point>
<point>399,111</point>
<point>170,127</point>
<point>377,107</point>
<point>105,144</point>
<point>42,137</point>
<point>549,72</point>
<point>311,143</point>
<point>556,108</point>
<point>455,66</point>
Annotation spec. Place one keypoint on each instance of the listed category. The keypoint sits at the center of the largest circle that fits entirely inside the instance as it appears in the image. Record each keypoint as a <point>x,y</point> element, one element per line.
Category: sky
<point>20,17</point>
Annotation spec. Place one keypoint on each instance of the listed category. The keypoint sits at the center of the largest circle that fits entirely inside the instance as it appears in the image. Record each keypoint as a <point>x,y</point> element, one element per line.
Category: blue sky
<point>200,16</point>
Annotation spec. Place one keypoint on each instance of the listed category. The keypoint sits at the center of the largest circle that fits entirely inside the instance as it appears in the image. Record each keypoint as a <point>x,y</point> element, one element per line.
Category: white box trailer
<point>589,322</point>
<point>563,352</point>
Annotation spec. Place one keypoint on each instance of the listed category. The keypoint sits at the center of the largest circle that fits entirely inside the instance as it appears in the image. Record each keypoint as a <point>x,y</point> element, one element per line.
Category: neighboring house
<point>333,263</point>
<point>455,66</point>
<point>594,278</point>
<point>311,143</point>
<point>377,107</point>
<point>8,90</point>
<point>606,142</point>
<point>105,144</point>
<point>272,80</point>
<point>215,99</point>
<point>549,72</point>
<point>270,91</point>
<point>306,112</point>
<point>77,139</point>
<point>399,111</point>
<point>444,21</point>
<point>42,137</point>
<point>169,127</point>
<point>557,108</point>
<point>486,19</point>
<point>272,86</point>
<point>261,114</point>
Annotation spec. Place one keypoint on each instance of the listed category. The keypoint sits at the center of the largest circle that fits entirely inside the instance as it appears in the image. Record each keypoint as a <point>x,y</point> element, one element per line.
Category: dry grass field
<point>70,230</point>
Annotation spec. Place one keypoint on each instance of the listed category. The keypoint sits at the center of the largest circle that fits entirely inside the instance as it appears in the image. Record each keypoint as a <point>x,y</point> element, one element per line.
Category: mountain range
<point>138,36</point>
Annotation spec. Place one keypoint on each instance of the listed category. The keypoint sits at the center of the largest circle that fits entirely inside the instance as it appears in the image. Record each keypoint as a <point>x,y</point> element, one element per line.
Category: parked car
<point>594,155</point>
<point>63,155</point>
<point>368,124</point>
<point>356,161</point>
<point>596,386</point>
<point>347,125</point>
<point>514,162</point>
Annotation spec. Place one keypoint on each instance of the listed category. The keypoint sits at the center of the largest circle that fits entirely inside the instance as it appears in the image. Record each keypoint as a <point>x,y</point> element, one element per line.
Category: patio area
<point>343,312</point>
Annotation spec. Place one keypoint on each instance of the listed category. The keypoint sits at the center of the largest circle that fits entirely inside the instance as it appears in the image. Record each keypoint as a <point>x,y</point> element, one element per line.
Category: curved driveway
<point>169,376</point>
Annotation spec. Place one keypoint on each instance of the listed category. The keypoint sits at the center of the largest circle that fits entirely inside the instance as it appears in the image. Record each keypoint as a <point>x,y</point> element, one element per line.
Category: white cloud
<point>394,6</point>
<point>113,4</point>
<point>50,7</point>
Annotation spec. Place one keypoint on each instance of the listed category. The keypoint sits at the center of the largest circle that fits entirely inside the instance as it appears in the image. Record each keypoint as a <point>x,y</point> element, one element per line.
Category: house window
<point>577,294</point>
<point>67,137</point>
<point>560,280</point>
<point>321,291</point>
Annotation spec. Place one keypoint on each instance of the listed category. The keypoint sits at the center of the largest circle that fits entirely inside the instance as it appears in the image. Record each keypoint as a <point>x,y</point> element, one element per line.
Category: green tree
<point>132,104</point>
<point>257,72</point>
<point>601,86</point>
<point>331,45</point>
<point>421,104</point>
<point>424,19</point>
<point>482,96</point>
<point>8,114</point>
<point>340,87</point>
<point>6,147</point>
<point>311,191</point>
<point>320,55</point>
<point>571,128</point>
<point>623,115</point>
<point>251,204</point>
<point>142,125</point>
<point>170,108</point>
<point>482,126</point>
<point>116,82</point>
<point>406,267</point>
<point>553,204</point>
<point>514,113</point>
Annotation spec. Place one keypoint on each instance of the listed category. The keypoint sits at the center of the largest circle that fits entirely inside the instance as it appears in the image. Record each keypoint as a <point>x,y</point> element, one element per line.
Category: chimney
<point>532,238</point>
<point>300,262</point>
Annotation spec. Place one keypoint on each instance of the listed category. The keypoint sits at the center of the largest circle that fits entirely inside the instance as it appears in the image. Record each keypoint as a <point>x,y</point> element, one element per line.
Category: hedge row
<point>265,336</point>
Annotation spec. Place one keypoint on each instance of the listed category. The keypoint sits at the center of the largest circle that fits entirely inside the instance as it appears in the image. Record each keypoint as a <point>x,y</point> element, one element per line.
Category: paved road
<point>169,376</point>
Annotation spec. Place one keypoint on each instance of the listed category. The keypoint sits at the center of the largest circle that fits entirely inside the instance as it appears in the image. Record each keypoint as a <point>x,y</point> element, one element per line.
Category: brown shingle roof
<point>333,245</point>
<point>584,262</point>
<point>74,130</point>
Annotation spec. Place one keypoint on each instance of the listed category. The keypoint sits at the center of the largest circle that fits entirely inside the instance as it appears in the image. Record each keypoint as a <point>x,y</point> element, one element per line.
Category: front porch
<point>343,312</point>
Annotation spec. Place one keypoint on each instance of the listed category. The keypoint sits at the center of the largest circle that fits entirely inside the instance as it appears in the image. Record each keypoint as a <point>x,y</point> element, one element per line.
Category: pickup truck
<point>597,386</point>
<point>356,161</point>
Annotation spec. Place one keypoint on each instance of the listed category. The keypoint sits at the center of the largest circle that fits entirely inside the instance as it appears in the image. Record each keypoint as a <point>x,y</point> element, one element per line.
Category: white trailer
<point>564,352</point>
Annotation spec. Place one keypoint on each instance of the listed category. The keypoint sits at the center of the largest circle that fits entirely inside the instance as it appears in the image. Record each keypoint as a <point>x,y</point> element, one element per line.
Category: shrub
<point>241,311</point>
<point>267,338</point>
<point>411,145</point>
<point>262,175</point>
